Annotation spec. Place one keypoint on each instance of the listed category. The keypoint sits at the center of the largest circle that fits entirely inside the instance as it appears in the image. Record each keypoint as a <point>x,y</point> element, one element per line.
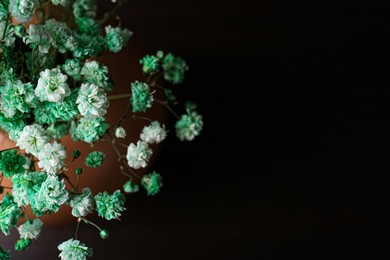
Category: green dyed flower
<point>73,249</point>
<point>130,187</point>
<point>58,129</point>
<point>3,14</point>
<point>189,126</point>
<point>50,196</point>
<point>152,183</point>
<point>22,243</point>
<point>141,98</point>
<point>138,155</point>
<point>89,129</point>
<point>25,186</point>
<point>4,255</point>
<point>72,67</point>
<point>11,163</point>
<point>23,10</point>
<point>52,86</point>
<point>92,101</point>
<point>82,204</point>
<point>63,38</point>
<point>104,234</point>
<point>174,68</point>
<point>120,132</point>
<point>17,97</point>
<point>110,206</point>
<point>38,37</point>
<point>84,8</point>
<point>20,31</point>
<point>32,139</point>
<point>116,38</point>
<point>96,74</point>
<point>95,159</point>
<point>30,229</point>
<point>9,214</point>
<point>61,2</point>
<point>150,64</point>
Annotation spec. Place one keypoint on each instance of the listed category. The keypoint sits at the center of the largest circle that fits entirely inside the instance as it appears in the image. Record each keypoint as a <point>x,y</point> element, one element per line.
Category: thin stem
<point>91,223</point>
<point>113,11</point>
<point>77,228</point>
<point>168,107</point>
<point>119,96</point>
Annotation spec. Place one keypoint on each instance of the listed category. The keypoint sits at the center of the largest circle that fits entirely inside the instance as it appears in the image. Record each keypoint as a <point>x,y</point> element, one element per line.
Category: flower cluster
<point>53,85</point>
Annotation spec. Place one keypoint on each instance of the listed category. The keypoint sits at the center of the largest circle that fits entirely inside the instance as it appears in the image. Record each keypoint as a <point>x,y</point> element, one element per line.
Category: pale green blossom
<point>32,139</point>
<point>152,183</point>
<point>61,2</point>
<point>30,229</point>
<point>23,10</point>
<point>153,133</point>
<point>110,206</point>
<point>38,37</point>
<point>84,8</point>
<point>141,98</point>
<point>52,86</point>
<point>17,96</point>
<point>92,101</point>
<point>116,38</point>
<point>73,249</point>
<point>138,155</point>
<point>51,195</point>
<point>82,204</point>
<point>52,157</point>
<point>89,129</point>
<point>189,126</point>
<point>96,74</point>
<point>63,38</point>
<point>120,132</point>
<point>24,186</point>
<point>10,213</point>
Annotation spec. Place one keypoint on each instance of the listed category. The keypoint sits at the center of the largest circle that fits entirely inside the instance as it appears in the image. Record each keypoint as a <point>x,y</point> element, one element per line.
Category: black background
<point>293,158</point>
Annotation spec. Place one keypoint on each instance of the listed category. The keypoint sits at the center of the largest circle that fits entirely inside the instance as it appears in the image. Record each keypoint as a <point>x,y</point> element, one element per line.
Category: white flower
<point>138,155</point>
<point>32,139</point>
<point>73,249</point>
<point>120,132</point>
<point>92,101</point>
<point>30,230</point>
<point>52,86</point>
<point>51,157</point>
<point>82,204</point>
<point>154,133</point>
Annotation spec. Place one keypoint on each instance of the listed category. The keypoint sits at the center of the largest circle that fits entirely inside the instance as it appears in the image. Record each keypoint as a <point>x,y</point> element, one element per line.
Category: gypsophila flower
<point>73,249</point>
<point>50,196</point>
<point>51,157</point>
<point>84,8</point>
<point>9,214</point>
<point>153,133</point>
<point>4,255</point>
<point>60,2</point>
<point>141,98</point>
<point>95,159</point>
<point>11,163</point>
<point>38,38</point>
<point>52,86</point>
<point>63,38</point>
<point>17,97</point>
<point>25,186</point>
<point>152,183</point>
<point>72,67</point>
<point>189,126</point>
<point>110,206</point>
<point>120,132</point>
<point>174,68</point>
<point>138,155</point>
<point>82,204</point>
<point>116,38</point>
<point>130,187</point>
<point>23,10</point>
<point>149,63</point>
<point>58,129</point>
<point>96,74</point>
<point>32,139</point>
<point>31,229</point>
<point>92,100</point>
<point>89,129</point>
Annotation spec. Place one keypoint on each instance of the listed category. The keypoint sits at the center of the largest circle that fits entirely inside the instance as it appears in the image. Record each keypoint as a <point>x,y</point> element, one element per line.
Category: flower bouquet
<point>53,86</point>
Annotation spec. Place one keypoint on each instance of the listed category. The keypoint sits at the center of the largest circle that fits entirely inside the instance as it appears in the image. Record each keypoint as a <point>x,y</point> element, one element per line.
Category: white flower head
<point>82,204</point>
<point>51,157</point>
<point>73,249</point>
<point>138,155</point>
<point>120,132</point>
<point>30,230</point>
<point>32,139</point>
<point>52,86</point>
<point>92,101</point>
<point>153,133</point>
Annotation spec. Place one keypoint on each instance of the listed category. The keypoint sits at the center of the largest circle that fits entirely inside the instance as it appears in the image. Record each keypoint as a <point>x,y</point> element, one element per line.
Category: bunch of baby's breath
<point>51,86</point>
